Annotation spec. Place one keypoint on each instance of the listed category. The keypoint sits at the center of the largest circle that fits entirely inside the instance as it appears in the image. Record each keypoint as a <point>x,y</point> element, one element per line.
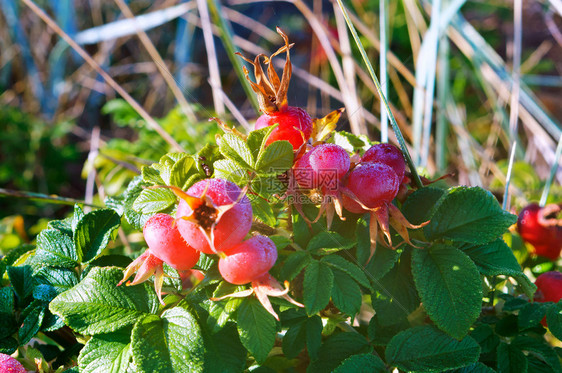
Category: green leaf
<point>336,349</point>
<point>66,226</point>
<point>540,347</point>
<point>54,248</point>
<point>275,159</point>
<point>44,293</point>
<point>32,317</point>
<point>318,281</point>
<point>395,295</point>
<point>346,294</point>
<point>470,215</point>
<point>6,302</point>
<point>8,345</point>
<point>554,319</point>
<point>294,264</point>
<point>530,315</point>
<point>256,139</point>
<point>59,278</point>
<point>350,142</point>
<point>235,149</point>
<point>475,368</point>
<point>419,205</point>
<point>484,335</point>
<point>151,201</point>
<point>151,175</point>
<point>228,170</point>
<point>205,159</point>
<point>427,349</point>
<point>511,359</point>
<point>346,266</point>
<point>14,255</point>
<point>526,285</point>
<point>313,336</point>
<point>109,353</point>
<point>294,340</point>
<point>96,305</point>
<point>362,363</point>
<point>224,352</point>
<point>171,343</point>
<point>181,171</point>
<point>263,210</point>
<point>494,258</point>
<point>449,286</point>
<point>221,311</point>
<point>325,243</point>
<point>21,280</point>
<point>123,204</point>
<point>382,335</point>
<point>94,231</point>
<point>257,328</point>
<point>76,217</point>
<point>280,241</point>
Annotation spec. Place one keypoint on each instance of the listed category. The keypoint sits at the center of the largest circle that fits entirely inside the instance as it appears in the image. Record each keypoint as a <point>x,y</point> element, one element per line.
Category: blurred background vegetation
<point>465,80</point>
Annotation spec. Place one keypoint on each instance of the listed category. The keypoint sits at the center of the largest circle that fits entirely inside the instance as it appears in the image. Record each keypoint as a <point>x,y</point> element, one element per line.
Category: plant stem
<point>43,198</point>
<point>395,127</point>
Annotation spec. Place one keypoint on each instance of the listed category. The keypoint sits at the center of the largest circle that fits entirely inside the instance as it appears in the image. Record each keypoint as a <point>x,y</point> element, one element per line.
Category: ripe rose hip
<point>374,184</point>
<point>165,242</point>
<point>210,216</point>
<point>10,365</point>
<point>371,187</point>
<point>549,287</point>
<point>389,155</point>
<point>295,125</point>
<point>322,168</point>
<point>540,227</point>
<point>248,261</point>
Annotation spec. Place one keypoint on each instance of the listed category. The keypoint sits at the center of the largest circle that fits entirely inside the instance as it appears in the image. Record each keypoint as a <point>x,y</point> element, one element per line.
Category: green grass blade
<point>553,170</point>
<point>443,93</point>
<point>395,127</point>
<point>8,193</point>
<point>383,20</point>
<point>226,37</point>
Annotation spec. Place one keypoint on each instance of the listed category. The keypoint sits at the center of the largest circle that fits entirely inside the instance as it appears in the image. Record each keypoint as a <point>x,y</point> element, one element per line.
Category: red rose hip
<point>387,154</point>
<point>204,226</point>
<point>165,242</point>
<point>248,261</point>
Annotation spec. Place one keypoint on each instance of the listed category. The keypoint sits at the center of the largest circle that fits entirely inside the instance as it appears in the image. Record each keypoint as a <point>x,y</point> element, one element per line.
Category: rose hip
<point>203,224</point>
<point>387,154</point>
<point>249,260</point>
<point>165,242</point>
<point>373,184</point>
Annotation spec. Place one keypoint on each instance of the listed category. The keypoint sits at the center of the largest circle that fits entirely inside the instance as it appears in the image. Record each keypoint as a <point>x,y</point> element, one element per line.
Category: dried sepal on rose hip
<point>213,215</point>
<point>250,262</point>
<point>294,124</point>
<point>165,245</point>
<point>540,227</point>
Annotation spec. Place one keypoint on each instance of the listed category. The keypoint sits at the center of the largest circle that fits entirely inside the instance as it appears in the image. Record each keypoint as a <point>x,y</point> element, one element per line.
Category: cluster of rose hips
<point>213,217</point>
<point>539,226</point>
